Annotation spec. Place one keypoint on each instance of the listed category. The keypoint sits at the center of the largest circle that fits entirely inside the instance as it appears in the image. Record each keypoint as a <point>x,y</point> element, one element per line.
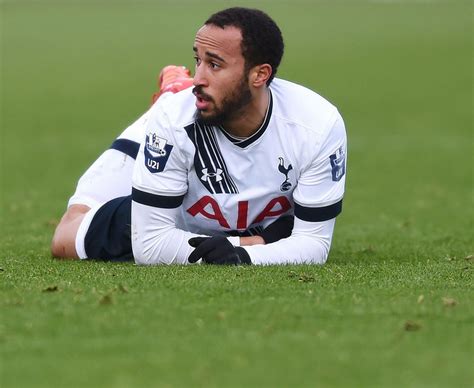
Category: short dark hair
<point>262,41</point>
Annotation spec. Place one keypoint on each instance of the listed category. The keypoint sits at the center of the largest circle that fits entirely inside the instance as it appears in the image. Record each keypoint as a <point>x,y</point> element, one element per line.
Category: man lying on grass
<point>220,168</point>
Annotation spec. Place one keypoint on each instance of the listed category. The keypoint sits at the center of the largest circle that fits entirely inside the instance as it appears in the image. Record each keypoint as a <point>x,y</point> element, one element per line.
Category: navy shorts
<point>108,236</point>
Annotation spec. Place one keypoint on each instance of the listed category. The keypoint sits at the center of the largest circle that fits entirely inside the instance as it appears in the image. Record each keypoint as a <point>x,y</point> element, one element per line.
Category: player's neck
<point>251,118</point>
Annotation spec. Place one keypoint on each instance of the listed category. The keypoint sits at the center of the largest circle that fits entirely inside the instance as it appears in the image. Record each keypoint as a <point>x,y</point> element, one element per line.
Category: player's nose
<point>200,77</point>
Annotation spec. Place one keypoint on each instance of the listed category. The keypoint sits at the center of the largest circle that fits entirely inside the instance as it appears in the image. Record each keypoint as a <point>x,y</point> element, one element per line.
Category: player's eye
<point>214,65</point>
<point>198,61</point>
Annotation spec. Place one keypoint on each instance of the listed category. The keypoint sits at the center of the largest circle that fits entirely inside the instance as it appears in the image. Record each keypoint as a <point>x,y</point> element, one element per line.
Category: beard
<point>231,107</point>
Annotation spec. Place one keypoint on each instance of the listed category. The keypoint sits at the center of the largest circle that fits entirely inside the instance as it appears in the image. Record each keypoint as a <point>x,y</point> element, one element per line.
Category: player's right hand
<point>217,250</point>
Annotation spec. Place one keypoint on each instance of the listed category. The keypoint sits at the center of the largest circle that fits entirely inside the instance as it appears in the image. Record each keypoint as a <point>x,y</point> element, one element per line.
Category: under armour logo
<point>206,175</point>
<point>286,185</point>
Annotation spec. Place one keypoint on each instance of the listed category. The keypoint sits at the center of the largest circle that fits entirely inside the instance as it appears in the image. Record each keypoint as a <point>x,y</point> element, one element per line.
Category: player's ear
<point>260,74</point>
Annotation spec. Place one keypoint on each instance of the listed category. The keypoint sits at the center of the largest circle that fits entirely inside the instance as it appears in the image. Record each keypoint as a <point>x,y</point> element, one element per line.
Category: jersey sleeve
<point>318,200</point>
<point>160,165</point>
<point>159,185</point>
<point>320,189</point>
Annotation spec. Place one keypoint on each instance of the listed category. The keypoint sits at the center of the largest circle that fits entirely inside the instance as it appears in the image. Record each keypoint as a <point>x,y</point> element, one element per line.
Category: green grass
<point>393,307</point>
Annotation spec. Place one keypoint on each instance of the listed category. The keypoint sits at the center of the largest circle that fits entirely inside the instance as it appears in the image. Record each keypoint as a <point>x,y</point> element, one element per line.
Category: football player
<point>234,154</point>
<point>110,177</point>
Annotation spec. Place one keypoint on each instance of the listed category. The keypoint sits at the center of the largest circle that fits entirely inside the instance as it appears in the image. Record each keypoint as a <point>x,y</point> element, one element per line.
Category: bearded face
<point>230,106</point>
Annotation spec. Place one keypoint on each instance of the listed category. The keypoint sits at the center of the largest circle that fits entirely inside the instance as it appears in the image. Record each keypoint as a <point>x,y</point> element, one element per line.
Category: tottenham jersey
<point>294,164</point>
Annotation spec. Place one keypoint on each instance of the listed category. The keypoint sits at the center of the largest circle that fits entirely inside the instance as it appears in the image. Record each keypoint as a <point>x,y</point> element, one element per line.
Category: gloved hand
<point>217,250</point>
<point>281,228</point>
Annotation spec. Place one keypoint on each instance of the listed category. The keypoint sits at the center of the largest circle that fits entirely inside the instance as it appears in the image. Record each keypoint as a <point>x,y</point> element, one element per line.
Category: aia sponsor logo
<point>209,208</point>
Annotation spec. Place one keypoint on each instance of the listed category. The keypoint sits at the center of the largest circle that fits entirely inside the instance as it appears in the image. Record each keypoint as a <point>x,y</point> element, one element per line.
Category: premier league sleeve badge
<point>338,164</point>
<point>157,152</point>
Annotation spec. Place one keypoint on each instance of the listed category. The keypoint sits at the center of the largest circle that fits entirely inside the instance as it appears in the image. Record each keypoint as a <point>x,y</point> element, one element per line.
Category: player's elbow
<point>323,257</point>
<point>142,260</point>
<point>142,257</point>
<point>147,256</point>
<point>317,251</point>
<point>322,251</point>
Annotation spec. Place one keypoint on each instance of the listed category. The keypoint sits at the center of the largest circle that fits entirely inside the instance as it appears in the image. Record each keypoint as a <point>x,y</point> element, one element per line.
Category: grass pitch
<point>394,304</point>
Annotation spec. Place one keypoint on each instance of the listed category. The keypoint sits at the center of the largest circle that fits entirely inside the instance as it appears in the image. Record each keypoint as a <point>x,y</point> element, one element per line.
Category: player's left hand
<point>217,250</point>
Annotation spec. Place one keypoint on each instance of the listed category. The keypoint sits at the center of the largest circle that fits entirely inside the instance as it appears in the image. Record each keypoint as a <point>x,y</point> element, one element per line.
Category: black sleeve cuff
<point>162,201</point>
<point>126,146</point>
<point>318,214</point>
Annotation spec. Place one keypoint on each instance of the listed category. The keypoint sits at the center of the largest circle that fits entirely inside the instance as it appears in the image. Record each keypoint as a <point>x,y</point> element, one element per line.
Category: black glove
<point>281,228</point>
<point>217,250</point>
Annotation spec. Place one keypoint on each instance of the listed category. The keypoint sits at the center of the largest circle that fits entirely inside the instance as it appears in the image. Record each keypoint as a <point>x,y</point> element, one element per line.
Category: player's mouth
<point>202,99</point>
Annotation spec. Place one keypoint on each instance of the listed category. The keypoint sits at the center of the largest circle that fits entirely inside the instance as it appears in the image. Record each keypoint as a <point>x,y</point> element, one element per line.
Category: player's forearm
<point>309,244</point>
<point>293,250</point>
<point>155,239</point>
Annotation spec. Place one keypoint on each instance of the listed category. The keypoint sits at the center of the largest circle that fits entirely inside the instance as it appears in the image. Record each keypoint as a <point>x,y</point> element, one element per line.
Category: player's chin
<point>206,115</point>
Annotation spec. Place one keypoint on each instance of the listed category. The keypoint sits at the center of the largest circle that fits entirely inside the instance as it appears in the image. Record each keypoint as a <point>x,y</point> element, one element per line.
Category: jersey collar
<point>246,141</point>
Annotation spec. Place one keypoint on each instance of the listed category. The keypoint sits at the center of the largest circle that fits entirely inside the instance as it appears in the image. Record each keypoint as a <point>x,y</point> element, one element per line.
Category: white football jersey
<point>193,179</point>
